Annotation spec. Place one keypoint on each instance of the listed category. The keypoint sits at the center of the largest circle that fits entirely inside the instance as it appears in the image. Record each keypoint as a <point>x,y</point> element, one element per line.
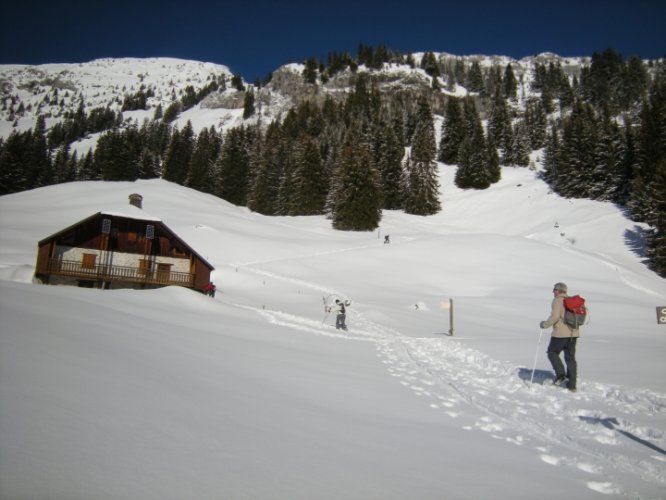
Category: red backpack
<point>575,311</point>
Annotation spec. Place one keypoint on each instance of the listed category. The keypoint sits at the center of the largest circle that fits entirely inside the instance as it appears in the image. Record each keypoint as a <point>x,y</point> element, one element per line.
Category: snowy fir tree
<point>179,152</point>
<point>388,154</point>
<point>263,196</point>
<point>423,184</point>
<point>357,197</point>
<point>233,166</point>
<point>453,132</point>
<point>201,167</point>
<point>499,125</point>
<point>309,179</point>
<point>600,123</point>
<point>478,166</point>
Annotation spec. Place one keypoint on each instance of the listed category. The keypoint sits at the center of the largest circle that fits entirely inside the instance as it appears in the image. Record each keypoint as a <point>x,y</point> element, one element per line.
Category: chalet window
<point>89,260</point>
<point>106,226</point>
<point>150,231</point>
<point>178,253</point>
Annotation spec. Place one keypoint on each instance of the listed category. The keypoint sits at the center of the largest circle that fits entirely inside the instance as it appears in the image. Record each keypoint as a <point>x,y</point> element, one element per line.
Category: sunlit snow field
<point>169,394</point>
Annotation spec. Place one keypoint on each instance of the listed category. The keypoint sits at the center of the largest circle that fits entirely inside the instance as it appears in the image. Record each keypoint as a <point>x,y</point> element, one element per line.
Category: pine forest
<point>599,132</point>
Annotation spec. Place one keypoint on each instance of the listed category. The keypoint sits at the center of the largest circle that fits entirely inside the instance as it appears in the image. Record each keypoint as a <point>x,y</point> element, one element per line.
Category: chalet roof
<point>130,212</point>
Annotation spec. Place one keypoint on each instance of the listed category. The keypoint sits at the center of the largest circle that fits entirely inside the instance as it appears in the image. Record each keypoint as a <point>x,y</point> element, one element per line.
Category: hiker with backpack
<point>341,314</point>
<point>564,335</point>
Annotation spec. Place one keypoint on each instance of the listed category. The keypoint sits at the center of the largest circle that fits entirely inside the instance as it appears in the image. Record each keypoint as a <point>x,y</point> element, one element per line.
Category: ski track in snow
<point>591,431</point>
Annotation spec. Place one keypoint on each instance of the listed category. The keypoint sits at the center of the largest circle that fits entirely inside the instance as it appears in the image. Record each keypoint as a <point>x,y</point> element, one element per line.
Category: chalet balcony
<point>125,274</point>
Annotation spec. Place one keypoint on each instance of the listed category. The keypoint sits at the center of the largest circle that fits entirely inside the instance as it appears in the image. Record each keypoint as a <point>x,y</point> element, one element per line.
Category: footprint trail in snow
<point>594,431</point>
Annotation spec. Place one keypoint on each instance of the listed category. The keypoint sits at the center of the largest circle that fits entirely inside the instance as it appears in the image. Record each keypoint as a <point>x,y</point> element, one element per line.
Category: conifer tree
<point>171,112</point>
<point>263,196</point>
<point>423,188</point>
<point>110,157</point>
<point>634,83</point>
<point>388,158</point>
<point>460,71</point>
<point>38,161</point>
<point>650,148</point>
<point>656,236</point>
<point>311,183</point>
<point>474,82</point>
<point>179,152</point>
<point>200,175</point>
<point>233,166</point>
<point>577,158</point>
<point>602,82</point>
<point>13,164</point>
<point>509,83</point>
<point>237,83</point>
<point>493,82</point>
<point>499,125</point>
<point>518,152</point>
<point>86,169</point>
<point>423,184</point>
<point>453,132</point>
<point>424,147</point>
<point>476,165</point>
<point>248,104</point>
<point>536,123</point>
<point>64,166</point>
<point>551,158</point>
<point>610,152</point>
<point>430,65</point>
<point>493,169</point>
<point>148,164</point>
<point>310,70</point>
<point>357,197</point>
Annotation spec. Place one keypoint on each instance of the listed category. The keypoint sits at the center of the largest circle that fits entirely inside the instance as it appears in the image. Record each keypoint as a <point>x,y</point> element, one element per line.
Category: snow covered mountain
<point>53,90</point>
<point>169,394</point>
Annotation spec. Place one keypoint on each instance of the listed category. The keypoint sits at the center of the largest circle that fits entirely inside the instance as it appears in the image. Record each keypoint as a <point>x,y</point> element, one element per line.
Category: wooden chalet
<point>115,250</point>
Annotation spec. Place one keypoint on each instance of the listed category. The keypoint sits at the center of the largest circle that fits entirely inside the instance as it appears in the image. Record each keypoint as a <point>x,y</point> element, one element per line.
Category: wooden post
<point>451,317</point>
<point>448,305</point>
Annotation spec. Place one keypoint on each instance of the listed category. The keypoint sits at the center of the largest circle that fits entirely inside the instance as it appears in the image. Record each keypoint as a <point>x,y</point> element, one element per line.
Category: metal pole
<point>536,355</point>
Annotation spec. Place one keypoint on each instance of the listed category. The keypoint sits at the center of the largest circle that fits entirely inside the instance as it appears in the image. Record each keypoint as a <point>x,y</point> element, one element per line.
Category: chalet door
<point>163,273</point>
<point>145,267</point>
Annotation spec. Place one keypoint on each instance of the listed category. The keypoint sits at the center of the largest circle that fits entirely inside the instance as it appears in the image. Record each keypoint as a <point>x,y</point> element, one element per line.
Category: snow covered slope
<point>253,394</point>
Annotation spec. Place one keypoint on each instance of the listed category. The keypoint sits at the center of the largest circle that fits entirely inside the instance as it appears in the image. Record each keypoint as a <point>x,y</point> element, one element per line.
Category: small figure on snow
<point>563,338</point>
<point>210,289</point>
<point>387,239</point>
<point>341,315</point>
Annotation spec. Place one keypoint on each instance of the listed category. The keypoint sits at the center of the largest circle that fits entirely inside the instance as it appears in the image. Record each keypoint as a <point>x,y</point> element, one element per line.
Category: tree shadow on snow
<point>613,424</point>
<point>540,376</point>
<point>636,240</point>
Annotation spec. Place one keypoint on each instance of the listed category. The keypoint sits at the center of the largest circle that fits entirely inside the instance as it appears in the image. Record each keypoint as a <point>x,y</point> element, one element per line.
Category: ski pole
<point>536,355</point>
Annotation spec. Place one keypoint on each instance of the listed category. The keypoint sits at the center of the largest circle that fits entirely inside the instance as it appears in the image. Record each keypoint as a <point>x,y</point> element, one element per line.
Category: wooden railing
<point>119,273</point>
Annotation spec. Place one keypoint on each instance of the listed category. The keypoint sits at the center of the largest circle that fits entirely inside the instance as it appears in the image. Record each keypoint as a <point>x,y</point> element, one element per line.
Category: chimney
<point>135,199</point>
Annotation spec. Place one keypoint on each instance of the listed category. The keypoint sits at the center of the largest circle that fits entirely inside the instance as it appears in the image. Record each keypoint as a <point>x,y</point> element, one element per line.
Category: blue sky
<point>254,37</point>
